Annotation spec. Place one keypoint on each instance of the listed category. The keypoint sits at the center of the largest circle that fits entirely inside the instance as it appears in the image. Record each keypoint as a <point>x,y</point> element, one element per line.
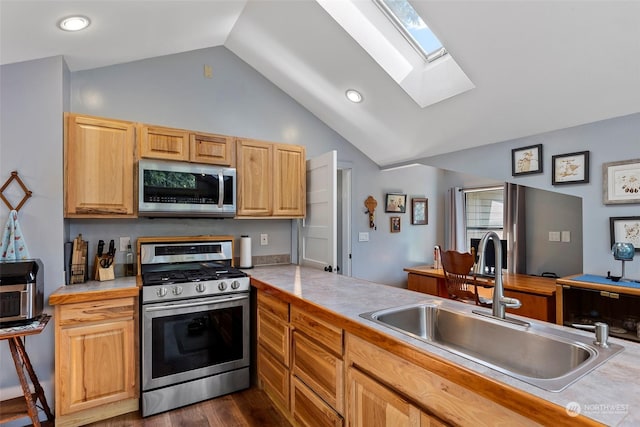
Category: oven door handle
<point>194,304</point>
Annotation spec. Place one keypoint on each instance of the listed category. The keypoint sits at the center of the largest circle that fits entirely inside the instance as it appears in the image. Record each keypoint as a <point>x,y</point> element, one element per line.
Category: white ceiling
<point>537,65</point>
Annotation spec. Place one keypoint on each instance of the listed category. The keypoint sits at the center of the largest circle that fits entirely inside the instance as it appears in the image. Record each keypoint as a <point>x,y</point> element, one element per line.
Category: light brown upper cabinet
<point>271,179</point>
<point>158,142</point>
<point>99,159</point>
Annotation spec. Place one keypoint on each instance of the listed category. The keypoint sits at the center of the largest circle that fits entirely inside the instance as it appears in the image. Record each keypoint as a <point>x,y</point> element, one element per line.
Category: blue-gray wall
<point>607,141</point>
<point>33,96</point>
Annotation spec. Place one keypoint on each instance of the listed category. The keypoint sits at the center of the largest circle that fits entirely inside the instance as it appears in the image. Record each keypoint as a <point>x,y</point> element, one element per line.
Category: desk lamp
<point>622,252</point>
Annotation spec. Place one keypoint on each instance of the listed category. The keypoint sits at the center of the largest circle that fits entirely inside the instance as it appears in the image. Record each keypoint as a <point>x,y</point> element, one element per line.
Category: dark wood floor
<point>249,407</point>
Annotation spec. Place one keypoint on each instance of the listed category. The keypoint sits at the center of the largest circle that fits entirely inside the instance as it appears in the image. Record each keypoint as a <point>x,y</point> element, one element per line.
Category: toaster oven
<point>21,291</point>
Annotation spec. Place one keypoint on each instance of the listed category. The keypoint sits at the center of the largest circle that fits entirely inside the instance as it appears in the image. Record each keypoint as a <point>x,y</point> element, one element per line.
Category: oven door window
<point>184,342</point>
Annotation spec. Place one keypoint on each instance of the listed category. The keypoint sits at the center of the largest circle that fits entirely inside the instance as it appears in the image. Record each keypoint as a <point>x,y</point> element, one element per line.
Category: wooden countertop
<point>516,282</point>
<point>340,300</point>
<point>94,290</point>
<point>615,287</point>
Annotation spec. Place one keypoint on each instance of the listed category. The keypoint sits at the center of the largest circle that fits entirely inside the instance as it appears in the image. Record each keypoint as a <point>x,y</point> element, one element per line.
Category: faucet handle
<point>509,302</point>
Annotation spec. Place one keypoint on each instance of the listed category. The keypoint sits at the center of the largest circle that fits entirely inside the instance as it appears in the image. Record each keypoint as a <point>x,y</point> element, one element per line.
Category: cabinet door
<point>373,405</point>
<point>254,165</point>
<point>290,185</point>
<point>99,165</point>
<point>211,149</point>
<point>273,334</point>
<point>164,143</point>
<point>274,378</point>
<point>96,365</point>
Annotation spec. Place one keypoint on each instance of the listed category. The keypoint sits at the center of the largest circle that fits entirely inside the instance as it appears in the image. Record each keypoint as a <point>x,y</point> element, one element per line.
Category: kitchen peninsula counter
<point>605,395</point>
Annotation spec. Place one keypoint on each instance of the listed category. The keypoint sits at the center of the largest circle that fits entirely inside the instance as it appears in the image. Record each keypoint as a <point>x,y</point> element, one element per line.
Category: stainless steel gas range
<point>194,323</point>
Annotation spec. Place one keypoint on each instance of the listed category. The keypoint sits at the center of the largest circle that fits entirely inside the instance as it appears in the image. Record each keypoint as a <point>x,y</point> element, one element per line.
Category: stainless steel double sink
<point>546,357</point>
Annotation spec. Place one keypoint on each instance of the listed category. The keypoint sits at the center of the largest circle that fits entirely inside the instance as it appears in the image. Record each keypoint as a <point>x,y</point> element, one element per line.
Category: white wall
<point>31,105</point>
<point>608,140</point>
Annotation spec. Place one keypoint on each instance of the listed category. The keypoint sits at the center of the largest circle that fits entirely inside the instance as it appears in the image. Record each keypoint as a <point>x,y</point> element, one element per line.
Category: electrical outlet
<point>264,239</point>
<point>124,242</point>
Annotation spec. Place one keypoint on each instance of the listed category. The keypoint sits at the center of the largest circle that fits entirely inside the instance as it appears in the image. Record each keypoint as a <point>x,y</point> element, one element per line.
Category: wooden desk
<point>19,407</point>
<point>537,294</point>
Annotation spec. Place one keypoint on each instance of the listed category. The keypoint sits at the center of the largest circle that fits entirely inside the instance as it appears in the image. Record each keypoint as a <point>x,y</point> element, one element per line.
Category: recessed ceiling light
<point>74,23</point>
<point>353,95</point>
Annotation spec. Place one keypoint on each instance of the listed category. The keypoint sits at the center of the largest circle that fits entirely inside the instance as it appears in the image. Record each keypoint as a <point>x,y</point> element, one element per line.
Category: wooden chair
<point>460,280</point>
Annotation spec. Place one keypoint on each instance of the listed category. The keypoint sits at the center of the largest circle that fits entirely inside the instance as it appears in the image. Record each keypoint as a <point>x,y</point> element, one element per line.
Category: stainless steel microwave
<point>172,188</point>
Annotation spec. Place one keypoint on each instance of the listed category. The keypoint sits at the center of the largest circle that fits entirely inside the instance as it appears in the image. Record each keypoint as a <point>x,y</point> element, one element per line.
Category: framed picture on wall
<point>395,203</point>
<point>395,224</point>
<point>621,182</point>
<point>419,211</point>
<point>571,168</point>
<point>526,160</point>
<point>625,229</point>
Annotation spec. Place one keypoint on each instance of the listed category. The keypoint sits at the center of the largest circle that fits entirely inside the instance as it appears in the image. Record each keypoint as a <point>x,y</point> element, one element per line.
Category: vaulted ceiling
<point>536,65</point>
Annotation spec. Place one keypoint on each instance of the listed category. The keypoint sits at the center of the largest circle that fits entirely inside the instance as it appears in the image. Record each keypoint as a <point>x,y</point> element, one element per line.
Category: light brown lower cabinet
<point>96,360</point>
<point>373,405</point>
<point>440,399</point>
<point>273,350</point>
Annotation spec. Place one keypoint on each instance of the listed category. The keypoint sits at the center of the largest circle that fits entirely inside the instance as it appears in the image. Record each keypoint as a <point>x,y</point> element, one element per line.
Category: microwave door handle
<point>220,189</point>
<point>25,297</point>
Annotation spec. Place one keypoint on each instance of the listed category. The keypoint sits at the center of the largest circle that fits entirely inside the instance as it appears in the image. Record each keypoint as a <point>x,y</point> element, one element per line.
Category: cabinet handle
<point>82,210</point>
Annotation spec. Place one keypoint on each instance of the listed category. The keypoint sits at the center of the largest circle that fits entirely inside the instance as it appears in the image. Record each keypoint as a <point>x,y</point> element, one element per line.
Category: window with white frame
<point>484,212</point>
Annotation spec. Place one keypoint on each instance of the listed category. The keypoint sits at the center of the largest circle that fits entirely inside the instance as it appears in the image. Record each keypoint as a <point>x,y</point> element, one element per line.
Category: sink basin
<point>538,354</point>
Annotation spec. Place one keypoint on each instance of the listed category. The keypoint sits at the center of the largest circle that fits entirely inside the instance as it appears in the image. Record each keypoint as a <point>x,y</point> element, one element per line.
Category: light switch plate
<point>363,236</point>
<point>554,236</point>
<point>566,236</point>
<point>124,242</point>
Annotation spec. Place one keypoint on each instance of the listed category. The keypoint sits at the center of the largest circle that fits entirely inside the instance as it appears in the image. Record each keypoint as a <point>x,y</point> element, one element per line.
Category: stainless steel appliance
<point>21,291</point>
<point>195,323</point>
<point>171,188</point>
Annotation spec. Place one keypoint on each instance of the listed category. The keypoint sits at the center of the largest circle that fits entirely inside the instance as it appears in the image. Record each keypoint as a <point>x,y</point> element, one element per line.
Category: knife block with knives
<point>103,266</point>
<point>79,260</point>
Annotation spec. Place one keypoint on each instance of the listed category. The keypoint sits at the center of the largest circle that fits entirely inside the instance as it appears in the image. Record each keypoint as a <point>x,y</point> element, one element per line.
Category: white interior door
<point>319,247</point>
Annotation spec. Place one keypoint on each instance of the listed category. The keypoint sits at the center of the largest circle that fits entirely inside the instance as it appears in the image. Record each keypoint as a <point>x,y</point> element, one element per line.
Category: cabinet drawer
<point>274,379</point>
<point>319,369</point>
<point>309,410</point>
<point>274,336</point>
<point>95,311</point>
<point>212,149</point>
<point>273,305</point>
<point>321,331</point>
<point>164,143</point>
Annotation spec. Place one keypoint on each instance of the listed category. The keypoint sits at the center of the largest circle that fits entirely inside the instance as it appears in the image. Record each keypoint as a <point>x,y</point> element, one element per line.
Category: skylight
<point>411,25</point>
<point>409,53</point>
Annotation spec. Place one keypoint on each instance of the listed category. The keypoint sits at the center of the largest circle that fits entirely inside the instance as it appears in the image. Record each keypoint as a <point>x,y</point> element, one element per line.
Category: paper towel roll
<point>245,252</point>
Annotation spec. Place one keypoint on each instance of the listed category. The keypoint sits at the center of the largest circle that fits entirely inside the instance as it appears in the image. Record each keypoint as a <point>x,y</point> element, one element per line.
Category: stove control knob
<point>235,284</point>
<point>200,287</point>
<point>177,290</point>
<point>161,292</point>
<point>222,286</point>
